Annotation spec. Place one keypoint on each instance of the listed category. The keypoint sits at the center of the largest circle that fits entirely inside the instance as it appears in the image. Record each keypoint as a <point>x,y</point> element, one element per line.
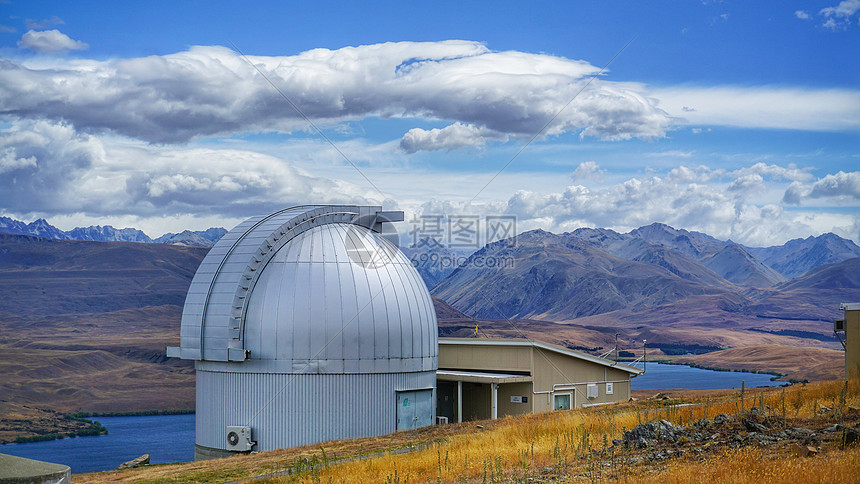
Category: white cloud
<point>747,183</point>
<point>840,186</point>
<point>449,138</point>
<point>763,107</point>
<point>801,14</point>
<point>211,90</point>
<point>776,172</point>
<point>50,42</point>
<point>50,169</point>
<point>839,17</point>
<point>10,162</point>
<point>690,198</point>
<point>7,29</point>
<point>588,170</point>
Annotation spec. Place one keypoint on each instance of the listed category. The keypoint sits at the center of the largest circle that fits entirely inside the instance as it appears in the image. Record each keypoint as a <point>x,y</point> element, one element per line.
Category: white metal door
<point>414,409</point>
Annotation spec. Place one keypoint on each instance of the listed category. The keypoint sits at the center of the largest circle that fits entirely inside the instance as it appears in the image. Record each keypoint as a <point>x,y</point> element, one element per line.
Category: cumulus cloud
<point>775,172</point>
<point>724,211</point>
<point>839,17</point>
<point>50,42</point>
<point>747,183</point>
<point>449,138</point>
<point>801,14</point>
<point>10,162</point>
<point>212,90</point>
<point>49,168</point>
<point>764,107</point>
<point>840,186</point>
<point>588,170</point>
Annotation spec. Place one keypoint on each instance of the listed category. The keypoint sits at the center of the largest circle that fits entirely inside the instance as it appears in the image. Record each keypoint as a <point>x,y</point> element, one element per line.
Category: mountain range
<point>41,228</point>
<point>674,287</point>
<point>84,324</point>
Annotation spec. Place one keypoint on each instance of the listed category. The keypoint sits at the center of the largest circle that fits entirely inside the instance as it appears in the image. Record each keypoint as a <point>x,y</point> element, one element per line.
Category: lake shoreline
<point>26,424</point>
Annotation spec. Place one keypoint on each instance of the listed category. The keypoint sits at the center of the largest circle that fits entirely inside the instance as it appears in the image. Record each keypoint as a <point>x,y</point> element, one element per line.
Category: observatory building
<point>308,325</point>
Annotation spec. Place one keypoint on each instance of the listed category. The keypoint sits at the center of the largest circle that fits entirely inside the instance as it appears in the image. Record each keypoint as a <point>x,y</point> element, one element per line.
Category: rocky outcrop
<point>140,461</point>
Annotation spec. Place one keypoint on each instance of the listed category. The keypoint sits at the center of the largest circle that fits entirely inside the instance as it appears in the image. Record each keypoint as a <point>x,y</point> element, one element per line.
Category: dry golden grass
<point>573,445</point>
<point>525,446</point>
<point>750,465</point>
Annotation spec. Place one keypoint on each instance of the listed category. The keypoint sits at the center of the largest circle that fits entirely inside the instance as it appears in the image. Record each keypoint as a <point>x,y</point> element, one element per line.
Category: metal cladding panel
<point>330,296</point>
<point>287,410</point>
<point>319,311</point>
<point>221,272</point>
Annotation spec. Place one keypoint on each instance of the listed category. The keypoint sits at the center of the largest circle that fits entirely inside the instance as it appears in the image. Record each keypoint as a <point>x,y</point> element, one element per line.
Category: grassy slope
<point>570,445</point>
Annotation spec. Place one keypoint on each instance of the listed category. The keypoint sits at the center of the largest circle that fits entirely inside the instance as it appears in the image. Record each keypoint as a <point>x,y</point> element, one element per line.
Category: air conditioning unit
<point>839,325</point>
<point>440,420</point>
<point>591,390</point>
<point>239,438</point>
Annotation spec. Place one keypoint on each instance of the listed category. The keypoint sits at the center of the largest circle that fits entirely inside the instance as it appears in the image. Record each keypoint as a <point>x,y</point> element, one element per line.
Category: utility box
<point>851,325</point>
<point>239,438</point>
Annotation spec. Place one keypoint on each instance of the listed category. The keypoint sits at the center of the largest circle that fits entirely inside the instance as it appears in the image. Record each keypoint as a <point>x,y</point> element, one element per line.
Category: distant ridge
<point>98,233</point>
<point>798,256</point>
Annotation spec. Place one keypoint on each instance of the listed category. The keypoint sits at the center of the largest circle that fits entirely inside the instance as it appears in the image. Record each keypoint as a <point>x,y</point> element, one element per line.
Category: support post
<point>495,387</point>
<point>459,401</point>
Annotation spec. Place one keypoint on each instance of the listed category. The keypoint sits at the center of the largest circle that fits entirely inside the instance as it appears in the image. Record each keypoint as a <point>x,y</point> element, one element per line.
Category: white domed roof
<point>310,290</point>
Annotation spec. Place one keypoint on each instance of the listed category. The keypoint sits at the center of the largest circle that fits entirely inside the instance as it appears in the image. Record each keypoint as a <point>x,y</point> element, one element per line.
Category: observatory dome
<point>291,313</point>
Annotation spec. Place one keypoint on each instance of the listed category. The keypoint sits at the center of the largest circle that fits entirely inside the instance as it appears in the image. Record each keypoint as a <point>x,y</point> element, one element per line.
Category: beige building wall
<point>477,398</point>
<point>508,390</point>
<point>552,373</point>
<point>852,340</point>
<point>562,374</point>
<point>486,358</point>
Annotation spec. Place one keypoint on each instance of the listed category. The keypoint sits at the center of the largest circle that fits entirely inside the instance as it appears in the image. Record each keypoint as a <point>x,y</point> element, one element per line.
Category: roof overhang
<point>480,377</point>
<point>545,346</point>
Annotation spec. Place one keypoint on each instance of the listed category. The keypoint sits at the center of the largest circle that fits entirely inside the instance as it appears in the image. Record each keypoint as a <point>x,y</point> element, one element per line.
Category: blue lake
<point>166,438</point>
<point>658,376</point>
<point>170,438</point>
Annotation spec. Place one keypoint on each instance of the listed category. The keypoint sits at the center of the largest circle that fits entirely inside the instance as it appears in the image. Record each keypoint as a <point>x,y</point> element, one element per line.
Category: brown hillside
<point>793,362</point>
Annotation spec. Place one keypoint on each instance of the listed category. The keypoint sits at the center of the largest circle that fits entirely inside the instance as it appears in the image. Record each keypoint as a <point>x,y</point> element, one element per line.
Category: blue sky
<point>738,119</point>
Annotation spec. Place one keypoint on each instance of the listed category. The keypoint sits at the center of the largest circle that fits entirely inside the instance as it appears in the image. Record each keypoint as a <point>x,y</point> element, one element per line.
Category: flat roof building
<point>850,325</point>
<point>491,378</point>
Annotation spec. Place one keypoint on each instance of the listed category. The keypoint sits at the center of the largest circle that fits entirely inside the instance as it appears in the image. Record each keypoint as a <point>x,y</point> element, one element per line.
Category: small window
<point>609,389</point>
<point>561,402</point>
<point>591,390</point>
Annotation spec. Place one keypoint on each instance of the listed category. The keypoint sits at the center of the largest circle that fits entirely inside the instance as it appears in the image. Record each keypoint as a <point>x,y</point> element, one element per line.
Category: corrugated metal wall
<point>287,410</point>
